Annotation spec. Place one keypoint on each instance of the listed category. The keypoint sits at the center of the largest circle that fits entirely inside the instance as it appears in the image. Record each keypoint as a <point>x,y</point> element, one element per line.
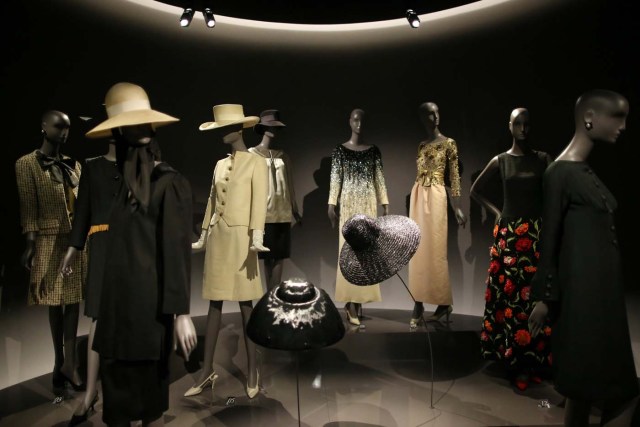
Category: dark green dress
<point>580,276</point>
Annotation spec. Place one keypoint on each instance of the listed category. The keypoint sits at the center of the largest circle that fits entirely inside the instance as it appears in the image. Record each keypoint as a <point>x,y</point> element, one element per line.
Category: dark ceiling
<point>318,12</point>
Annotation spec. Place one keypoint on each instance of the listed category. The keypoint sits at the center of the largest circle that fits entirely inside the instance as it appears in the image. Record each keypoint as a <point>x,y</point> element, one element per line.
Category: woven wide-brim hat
<point>268,118</point>
<point>127,104</point>
<point>376,248</point>
<point>295,315</point>
<point>229,114</point>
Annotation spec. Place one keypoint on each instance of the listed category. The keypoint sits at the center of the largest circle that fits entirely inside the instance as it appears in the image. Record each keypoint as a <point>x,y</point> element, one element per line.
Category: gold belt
<point>98,228</point>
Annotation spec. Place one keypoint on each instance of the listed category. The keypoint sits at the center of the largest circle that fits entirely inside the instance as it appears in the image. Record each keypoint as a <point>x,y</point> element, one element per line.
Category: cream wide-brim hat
<point>227,115</point>
<point>127,104</point>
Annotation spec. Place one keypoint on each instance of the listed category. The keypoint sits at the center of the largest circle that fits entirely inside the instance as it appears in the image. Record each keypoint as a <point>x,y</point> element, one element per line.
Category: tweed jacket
<point>43,208</point>
<point>239,193</point>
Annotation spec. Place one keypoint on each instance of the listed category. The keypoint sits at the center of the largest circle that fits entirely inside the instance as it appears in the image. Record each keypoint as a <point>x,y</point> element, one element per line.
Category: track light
<point>413,18</point>
<point>208,17</point>
<point>186,17</point>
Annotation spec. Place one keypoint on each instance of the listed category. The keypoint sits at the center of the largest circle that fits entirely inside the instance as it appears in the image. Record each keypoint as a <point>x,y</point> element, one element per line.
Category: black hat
<point>376,248</point>
<point>268,118</point>
<point>295,316</point>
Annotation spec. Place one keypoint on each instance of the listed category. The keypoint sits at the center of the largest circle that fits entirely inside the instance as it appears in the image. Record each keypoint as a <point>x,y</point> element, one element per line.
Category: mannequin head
<point>429,115</point>
<point>519,124</point>
<point>272,131</point>
<point>135,135</point>
<point>231,133</point>
<point>356,120</point>
<point>55,127</point>
<point>601,115</point>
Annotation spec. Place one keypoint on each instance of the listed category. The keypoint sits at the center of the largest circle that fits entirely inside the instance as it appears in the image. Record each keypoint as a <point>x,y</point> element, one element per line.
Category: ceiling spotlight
<point>186,17</point>
<point>413,18</point>
<point>208,17</point>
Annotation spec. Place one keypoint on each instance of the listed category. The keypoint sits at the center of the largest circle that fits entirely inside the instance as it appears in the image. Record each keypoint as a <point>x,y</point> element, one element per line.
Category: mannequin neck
<point>111,153</point>
<point>50,149</point>
<point>356,139</point>
<point>519,147</point>
<point>433,134</point>
<point>238,145</point>
<point>578,149</point>
<point>266,142</point>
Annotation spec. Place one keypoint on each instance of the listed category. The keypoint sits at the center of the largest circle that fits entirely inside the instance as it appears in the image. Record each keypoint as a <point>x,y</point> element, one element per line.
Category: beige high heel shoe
<point>253,391</point>
<point>352,320</point>
<point>197,389</point>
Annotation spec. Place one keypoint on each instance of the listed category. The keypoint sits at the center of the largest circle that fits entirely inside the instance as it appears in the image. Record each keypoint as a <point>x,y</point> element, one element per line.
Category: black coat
<point>579,274</point>
<point>147,270</point>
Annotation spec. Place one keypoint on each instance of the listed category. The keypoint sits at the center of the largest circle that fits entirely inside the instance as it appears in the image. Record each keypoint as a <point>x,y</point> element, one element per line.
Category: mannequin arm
<point>201,243</point>
<point>27,256</point>
<point>333,217</point>
<point>256,241</point>
<point>184,335</point>
<point>461,219</point>
<point>69,257</point>
<point>478,186</point>
<point>385,210</point>
<point>537,318</point>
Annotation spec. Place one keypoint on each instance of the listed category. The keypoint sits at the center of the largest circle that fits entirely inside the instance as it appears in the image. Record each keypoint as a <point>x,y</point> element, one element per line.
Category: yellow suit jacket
<point>238,192</point>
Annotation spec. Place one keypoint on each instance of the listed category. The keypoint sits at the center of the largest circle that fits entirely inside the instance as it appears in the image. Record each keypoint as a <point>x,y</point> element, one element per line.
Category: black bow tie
<point>60,170</point>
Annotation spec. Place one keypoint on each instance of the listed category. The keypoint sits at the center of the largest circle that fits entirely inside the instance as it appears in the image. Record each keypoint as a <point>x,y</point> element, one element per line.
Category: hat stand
<point>424,322</point>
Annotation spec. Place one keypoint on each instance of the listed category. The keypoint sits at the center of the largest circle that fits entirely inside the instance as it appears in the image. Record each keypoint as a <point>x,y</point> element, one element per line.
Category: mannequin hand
<point>537,317</point>
<point>184,334</point>
<point>298,218</point>
<point>333,217</point>
<point>385,210</point>
<point>26,260</point>
<point>69,257</point>
<point>256,241</point>
<point>200,244</point>
<point>460,218</point>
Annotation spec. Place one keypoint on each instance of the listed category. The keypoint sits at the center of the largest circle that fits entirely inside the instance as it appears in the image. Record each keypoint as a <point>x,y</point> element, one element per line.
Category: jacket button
<point>547,294</point>
<point>614,241</point>
<point>117,177</point>
<point>224,190</point>
<point>613,228</point>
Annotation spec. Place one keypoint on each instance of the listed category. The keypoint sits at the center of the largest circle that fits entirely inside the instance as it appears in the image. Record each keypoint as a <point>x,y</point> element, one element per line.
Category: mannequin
<point>357,182</point>
<point>429,268</point>
<point>579,278</point>
<point>48,186</point>
<point>281,201</point>
<point>232,235</point>
<point>100,181</point>
<point>505,335</point>
<point>144,303</point>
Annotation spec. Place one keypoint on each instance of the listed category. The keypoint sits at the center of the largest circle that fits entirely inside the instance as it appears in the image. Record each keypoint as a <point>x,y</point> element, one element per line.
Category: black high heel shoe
<point>442,310</point>
<point>57,379</point>
<point>79,419</point>
<point>76,387</point>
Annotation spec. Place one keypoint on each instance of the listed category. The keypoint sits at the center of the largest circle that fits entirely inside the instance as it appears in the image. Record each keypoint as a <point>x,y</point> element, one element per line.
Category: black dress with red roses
<point>514,256</point>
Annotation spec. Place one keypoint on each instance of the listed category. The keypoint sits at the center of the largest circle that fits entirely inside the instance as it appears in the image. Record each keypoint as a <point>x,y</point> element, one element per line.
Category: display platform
<point>380,375</point>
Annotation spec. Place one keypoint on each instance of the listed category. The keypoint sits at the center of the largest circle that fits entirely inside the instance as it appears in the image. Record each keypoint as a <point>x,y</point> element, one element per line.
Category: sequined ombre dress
<point>357,186</point>
<point>429,267</point>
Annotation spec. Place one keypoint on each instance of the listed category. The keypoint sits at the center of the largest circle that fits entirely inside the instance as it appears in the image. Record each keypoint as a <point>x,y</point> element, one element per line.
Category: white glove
<point>256,241</point>
<point>202,241</point>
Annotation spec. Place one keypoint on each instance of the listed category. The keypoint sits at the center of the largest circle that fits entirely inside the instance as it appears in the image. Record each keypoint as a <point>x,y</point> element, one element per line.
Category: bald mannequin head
<point>55,126</point>
<point>355,120</point>
<point>519,123</point>
<point>601,114</point>
<point>429,114</point>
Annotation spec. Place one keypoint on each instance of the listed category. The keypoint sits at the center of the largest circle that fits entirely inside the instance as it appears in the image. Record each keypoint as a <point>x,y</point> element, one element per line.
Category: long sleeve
<point>210,202</point>
<point>82,211</point>
<point>290,187</point>
<point>176,247</point>
<point>544,284</point>
<point>335,184</point>
<point>259,193</point>
<point>454,171</point>
<point>28,197</point>
<point>381,188</point>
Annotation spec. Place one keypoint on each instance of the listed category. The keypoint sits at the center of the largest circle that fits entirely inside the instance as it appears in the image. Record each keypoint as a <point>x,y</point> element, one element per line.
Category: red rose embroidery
<point>501,279</point>
<point>525,293</point>
<point>530,269</point>
<point>484,336</point>
<point>502,243</point>
<point>503,231</point>
<point>522,229</point>
<point>508,352</point>
<point>540,346</point>
<point>500,316</point>
<point>487,295</point>
<point>523,244</point>
<point>522,316</point>
<point>508,313</point>
<point>494,266</point>
<point>495,230</point>
<point>487,326</point>
<point>493,252</point>
<point>537,254</point>
<point>547,330</point>
<point>509,287</point>
<point>522,337</point>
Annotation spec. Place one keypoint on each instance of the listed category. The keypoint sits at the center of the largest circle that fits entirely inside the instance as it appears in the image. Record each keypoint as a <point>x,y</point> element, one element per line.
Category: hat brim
<point>260,128</point>
<point>247,122</point>
<point>131,118</point>
<point>397,242</point>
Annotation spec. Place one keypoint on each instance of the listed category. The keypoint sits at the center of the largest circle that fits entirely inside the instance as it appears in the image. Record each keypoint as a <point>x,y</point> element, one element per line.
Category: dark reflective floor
<point>380,375</point>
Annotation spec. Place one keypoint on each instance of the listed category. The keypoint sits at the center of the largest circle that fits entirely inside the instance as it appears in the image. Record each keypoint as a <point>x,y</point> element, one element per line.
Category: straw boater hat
<point>229,114</point>
<point>295,316</point>
<point>268,118</point>
<point>127,104</point>
<point>376,248</point>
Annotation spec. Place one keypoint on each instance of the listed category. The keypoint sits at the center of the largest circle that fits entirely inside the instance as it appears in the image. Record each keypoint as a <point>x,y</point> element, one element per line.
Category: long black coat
<point>579,274</point>
<point>147,271</point>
